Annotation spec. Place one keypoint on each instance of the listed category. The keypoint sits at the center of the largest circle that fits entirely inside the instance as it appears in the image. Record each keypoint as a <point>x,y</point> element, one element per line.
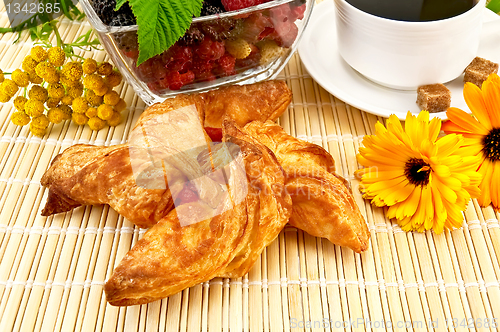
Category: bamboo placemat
<point>52,270</point>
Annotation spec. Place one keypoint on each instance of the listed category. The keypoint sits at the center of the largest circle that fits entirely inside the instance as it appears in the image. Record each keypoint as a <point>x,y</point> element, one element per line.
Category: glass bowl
<point>238,47</point>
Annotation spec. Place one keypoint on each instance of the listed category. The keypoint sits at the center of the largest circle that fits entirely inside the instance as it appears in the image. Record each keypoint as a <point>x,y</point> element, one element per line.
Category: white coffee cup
<point>404,55</point>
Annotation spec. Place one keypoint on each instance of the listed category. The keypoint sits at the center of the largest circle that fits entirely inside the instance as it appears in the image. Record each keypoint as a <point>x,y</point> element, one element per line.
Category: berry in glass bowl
<point>232,42</point>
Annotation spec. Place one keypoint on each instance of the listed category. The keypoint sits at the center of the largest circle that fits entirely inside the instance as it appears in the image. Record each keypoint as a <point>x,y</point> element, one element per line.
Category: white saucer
<point>318,52</point>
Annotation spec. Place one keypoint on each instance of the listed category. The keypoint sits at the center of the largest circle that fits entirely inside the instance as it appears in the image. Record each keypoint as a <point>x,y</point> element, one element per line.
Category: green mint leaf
<point>161,23</point>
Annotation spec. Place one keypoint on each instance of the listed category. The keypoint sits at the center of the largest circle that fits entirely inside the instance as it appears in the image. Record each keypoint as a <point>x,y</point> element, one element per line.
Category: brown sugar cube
<point>478,71</point>
<point>433,97</point>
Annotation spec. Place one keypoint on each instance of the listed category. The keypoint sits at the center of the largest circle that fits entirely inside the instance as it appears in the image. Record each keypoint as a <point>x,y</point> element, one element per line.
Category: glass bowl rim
<point>103,28</point>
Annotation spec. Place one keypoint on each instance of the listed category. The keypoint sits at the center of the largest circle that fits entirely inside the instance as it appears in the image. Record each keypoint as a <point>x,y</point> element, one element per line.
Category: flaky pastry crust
<point>86,175</point>
<point>322,205</point>
<point>170,258</point>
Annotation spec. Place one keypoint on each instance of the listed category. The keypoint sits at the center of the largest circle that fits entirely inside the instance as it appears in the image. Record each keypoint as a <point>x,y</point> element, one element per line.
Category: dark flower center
<point>491,144</point>
<point>417,172</point>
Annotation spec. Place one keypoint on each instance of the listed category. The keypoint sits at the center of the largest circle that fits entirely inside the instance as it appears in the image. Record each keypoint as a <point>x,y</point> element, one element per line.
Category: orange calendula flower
<point>482,134</point>
<point>425,181</point>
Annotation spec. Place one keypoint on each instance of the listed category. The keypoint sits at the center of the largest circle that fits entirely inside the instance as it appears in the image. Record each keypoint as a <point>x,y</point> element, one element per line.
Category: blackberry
<point>105,9</point>
<point>213,3</point>
<point>192,36</point>
<point>209,9</point>
<point>219,29</point>
<point>122,19</point>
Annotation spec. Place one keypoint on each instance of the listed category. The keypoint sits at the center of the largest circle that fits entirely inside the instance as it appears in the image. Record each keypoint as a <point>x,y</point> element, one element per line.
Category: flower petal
<point>466,121</point>
<point>491,96</point>
<point>474,98</point>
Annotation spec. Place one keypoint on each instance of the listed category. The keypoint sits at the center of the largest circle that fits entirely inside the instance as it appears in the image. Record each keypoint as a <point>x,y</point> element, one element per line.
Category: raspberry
<point>285,34</point>
<point>231,5</point>
<point>225,65</point>
<point>254,26</point>
<point>298,12</point>
<point>210,50</point>
<point>145,70</point>
<point>202,67</point>
<point>177,80</point>
<point>178,58</point>
<point>280,14</point>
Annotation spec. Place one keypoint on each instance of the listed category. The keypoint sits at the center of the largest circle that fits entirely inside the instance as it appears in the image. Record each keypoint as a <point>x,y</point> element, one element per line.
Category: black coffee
<point>414,10</point>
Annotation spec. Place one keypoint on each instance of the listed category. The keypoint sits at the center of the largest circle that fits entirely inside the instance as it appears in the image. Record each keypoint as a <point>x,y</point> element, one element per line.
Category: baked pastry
<point>170,258</point>
<point>322,204</point>
<point>133,185</point>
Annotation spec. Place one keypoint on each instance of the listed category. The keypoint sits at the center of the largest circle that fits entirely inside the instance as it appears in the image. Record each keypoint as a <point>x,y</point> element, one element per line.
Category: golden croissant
<point>322,205</point>
<point>85,175</point>
<point>231,199</point>
<point>171,257</point>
